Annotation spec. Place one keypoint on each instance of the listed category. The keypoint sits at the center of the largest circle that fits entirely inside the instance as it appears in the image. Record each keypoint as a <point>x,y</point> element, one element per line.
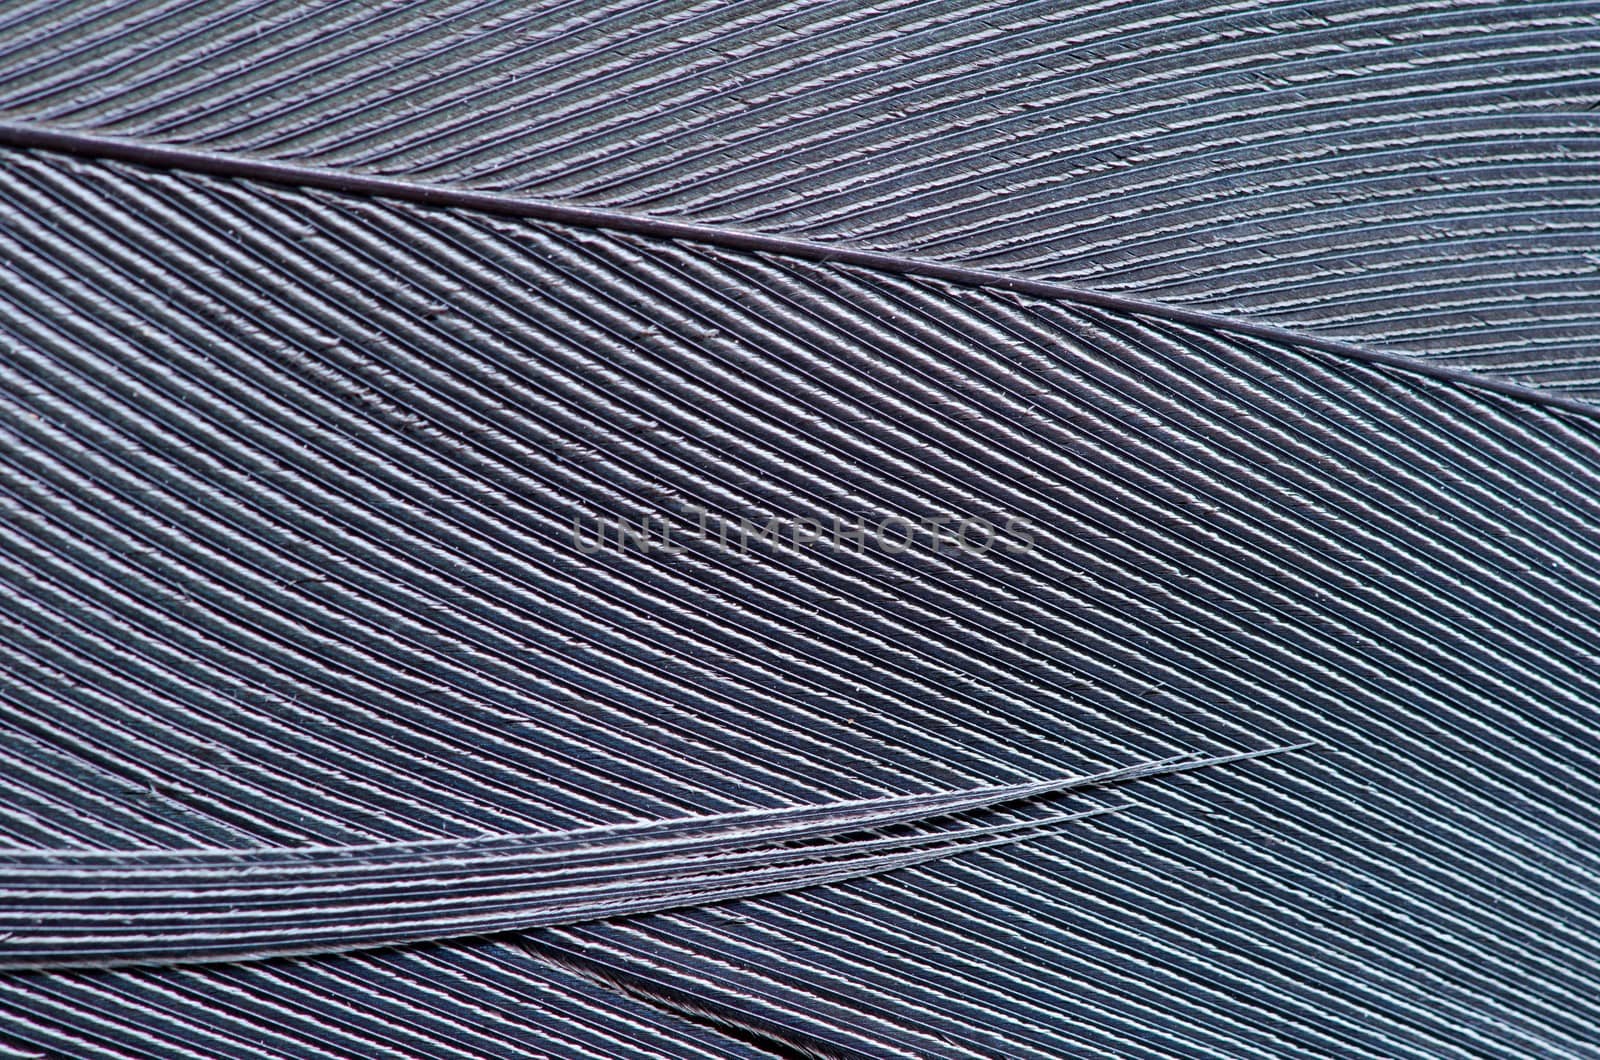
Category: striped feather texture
<point>420,1003</point>
<point>88,908</point>
<point>290,479</point>
<point>1417,175</point>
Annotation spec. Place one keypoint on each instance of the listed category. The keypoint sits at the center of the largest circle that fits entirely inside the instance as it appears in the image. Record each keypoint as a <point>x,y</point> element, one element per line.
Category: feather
<point>78,908</point>
<point>328,325</point>
<point>1417,177</point>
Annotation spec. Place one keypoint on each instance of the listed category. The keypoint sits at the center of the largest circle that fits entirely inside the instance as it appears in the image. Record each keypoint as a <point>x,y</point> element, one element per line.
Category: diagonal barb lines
<point>323,320</point>
<point>70,908</point>
<point>34,136</point>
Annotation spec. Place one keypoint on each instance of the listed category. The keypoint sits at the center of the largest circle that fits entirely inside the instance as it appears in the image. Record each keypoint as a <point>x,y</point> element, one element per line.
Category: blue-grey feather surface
<point>288,481</point>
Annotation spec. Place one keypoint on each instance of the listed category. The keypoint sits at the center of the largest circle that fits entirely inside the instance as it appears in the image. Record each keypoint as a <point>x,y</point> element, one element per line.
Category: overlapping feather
<point>287,477</point>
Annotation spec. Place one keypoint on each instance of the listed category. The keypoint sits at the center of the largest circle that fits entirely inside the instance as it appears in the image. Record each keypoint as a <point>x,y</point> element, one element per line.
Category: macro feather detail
<point>80,908</point>
<point>328,326</point>
<point>1416,177</point>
